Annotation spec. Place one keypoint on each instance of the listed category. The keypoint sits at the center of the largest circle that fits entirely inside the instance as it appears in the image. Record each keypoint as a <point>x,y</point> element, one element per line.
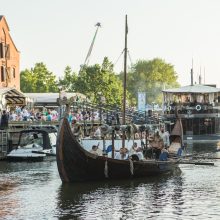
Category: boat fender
<point>131,166</point>
<point>198,107</point>
<point>106,169</point>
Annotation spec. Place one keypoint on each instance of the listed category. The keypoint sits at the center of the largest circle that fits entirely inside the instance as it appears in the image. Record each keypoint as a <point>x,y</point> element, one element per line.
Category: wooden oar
<point>211,158</point>
<point>201,156</point>
<point>196,163</point>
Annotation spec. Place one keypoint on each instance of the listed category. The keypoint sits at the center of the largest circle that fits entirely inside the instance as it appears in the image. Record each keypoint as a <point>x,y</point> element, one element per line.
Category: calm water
<point>35,191</point>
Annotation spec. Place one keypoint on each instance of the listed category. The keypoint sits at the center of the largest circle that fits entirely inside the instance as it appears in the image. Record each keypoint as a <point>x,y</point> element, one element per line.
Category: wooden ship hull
<point>75,164</point>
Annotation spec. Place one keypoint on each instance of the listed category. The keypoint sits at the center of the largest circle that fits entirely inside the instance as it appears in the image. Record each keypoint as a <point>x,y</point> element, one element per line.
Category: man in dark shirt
<point>4,120</point>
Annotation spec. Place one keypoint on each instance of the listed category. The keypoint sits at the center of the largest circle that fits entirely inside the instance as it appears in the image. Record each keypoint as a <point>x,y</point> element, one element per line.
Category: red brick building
<point>9,58</point>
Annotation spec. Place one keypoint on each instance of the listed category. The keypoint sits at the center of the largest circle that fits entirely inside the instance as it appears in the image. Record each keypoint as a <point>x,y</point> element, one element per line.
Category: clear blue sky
<point>59,33</point>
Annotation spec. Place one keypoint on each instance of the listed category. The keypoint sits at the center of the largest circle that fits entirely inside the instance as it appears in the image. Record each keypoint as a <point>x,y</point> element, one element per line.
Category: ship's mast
<point>125,79</point>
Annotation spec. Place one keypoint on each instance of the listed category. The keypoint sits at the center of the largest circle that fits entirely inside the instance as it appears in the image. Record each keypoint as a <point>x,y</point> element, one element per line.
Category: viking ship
<point>76,164</point>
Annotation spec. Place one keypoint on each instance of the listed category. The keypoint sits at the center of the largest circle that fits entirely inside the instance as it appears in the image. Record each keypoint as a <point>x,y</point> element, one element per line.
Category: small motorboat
<point>34,145</point>
<point>25,154</point>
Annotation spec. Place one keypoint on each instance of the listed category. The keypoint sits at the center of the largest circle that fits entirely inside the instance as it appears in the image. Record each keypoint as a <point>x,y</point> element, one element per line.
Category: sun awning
<point>12,96</point>
<point>201,89</point>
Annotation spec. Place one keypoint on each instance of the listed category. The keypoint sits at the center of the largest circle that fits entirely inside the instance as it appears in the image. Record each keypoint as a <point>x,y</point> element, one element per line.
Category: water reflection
<point>117,199</point>
<point>22,186</point>
<point>35,191</point>
<point>7,188</point>
<point>201,147</point>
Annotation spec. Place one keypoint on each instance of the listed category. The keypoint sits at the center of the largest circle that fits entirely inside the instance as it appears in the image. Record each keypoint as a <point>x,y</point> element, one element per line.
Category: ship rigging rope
<point>129,56</point>
<point>119,57</point>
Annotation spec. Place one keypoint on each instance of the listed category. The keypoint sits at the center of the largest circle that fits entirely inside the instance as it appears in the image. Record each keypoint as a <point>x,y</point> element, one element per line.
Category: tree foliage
<point>69,80</point>
<point>38,79</point>
<point>151,77</point>
<point>100,81</point>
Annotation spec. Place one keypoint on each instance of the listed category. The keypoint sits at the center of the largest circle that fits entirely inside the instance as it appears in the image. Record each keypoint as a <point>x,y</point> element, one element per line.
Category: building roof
<point>50,98</point>
<point>193,89</point>
<point>11,91</point>
<point>1,17</point>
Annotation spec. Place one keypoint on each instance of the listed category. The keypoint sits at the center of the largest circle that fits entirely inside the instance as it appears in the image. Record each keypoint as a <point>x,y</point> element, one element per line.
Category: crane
<point>86,62</point>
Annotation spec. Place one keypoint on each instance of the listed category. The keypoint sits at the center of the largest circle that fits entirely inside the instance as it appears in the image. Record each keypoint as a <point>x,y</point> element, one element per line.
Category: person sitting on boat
<point>117,134</point>
<point>122,154</point>
<point>135,150</point>
<point>97,133</point>
<point>95,150</point>
<point>164,154</point>
<point>155,146</point>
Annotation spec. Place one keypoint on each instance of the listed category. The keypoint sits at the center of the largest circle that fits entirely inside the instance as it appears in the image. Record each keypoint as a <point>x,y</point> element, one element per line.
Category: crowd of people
<point>47,114</point>
<point>157,147</point>
<point>25,114</point>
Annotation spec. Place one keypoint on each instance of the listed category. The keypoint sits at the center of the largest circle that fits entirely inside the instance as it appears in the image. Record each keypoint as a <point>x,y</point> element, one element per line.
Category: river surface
<point>35,191</point>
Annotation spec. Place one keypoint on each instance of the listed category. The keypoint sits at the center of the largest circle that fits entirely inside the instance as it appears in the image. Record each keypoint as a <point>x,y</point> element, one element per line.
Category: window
<point>13,72</point>
<point>8,74</point>
<point>2,50</point>
<point>2,73</point>
<point>7,51</point>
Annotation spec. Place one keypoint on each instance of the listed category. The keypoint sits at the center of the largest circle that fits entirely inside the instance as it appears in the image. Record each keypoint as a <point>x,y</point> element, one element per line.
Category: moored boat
<point>34,144</point>
<point>198,107</point>
<point>19,155</point>
<point>75,164</point>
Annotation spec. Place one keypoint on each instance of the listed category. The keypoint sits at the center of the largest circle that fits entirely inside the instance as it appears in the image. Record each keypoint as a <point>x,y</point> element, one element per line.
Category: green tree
<point>96,81</point>
<point>38,79</point>
<point>151,77</point>
<point>69,80</point>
